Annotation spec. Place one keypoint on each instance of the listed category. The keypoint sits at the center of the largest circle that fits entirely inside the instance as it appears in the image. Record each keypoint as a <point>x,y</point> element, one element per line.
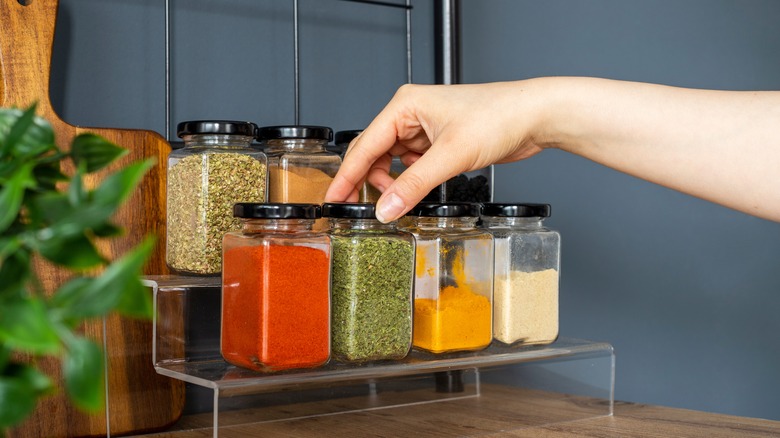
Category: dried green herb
<point>202,189</point>
<point>371,296</point>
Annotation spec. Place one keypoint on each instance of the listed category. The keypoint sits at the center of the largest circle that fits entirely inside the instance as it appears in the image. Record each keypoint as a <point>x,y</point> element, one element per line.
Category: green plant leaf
<point>76,193</point>
<point>23,135</point>
<point>14,272</point>
<point>93,213</point>
<point>48,175</point>
<point>94,151</point>
<point>75,252</point>
<point>49,207</point>
<point>25,325</point>
<point>82,368</point>
<point>20,387</point>
<point>108,230</point>
<point>23,121</point>
<point>12,194</point>
<point>118,186</point>
<point>119,287</point>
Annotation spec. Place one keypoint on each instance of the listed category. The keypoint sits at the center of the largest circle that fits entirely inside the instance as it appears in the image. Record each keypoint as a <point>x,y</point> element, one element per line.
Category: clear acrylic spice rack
<point>577,373</point>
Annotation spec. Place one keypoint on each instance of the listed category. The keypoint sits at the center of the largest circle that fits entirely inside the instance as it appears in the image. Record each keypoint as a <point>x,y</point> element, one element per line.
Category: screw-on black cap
<point>295,131</point>
<point>516,210</point>
<point>449,209</point>
<point>253,210</point>
<point>349,210</point>
<point>231,127</point>
<point>343,138</point>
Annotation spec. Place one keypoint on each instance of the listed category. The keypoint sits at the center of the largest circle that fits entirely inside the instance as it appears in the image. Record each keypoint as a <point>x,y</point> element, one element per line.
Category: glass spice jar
<point>473,186</point>
<point>300,169</point>
<point>276,289</point>
<point>453,286</point>
<point>371,285</point>
<point>216,168</point>
<point>527,266</point>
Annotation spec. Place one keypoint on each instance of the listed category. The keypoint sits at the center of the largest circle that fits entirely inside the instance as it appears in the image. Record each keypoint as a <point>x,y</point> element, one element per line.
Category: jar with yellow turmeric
<point>453,278</point>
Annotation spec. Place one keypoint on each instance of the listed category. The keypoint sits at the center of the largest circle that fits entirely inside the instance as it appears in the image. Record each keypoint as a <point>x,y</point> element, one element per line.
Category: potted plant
<point>48,217</point>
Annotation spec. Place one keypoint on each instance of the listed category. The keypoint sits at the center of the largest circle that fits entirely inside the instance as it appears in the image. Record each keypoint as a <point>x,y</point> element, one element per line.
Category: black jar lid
<point>349,210</point>
<point>230,127</point>
<point>448,209</point>
<point>516,210</point>
<point>295,131</point>
<point>344,138</point>
<point>256,210</point>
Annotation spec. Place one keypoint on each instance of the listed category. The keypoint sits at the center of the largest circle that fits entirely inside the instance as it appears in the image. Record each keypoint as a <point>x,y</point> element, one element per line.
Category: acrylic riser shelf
<point>186,347</point>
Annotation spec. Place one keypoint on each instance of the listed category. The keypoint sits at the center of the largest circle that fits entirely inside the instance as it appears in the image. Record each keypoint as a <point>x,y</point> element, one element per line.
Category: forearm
<point>723,146</point>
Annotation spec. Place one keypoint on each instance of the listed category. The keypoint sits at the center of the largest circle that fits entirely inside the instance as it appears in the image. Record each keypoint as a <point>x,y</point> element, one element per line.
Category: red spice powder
<point>275,307</point>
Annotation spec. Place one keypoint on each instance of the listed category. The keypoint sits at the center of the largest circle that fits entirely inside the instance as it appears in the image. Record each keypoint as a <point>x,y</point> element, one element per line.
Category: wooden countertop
<point>499,411</point>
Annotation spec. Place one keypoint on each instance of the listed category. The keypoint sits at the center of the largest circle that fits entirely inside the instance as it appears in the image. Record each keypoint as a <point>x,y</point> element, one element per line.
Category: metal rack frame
<point>407,7</point>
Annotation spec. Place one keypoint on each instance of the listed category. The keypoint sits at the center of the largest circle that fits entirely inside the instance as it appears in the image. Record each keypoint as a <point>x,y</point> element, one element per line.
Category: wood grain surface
<point>138,398</point>
<point>500,411</point>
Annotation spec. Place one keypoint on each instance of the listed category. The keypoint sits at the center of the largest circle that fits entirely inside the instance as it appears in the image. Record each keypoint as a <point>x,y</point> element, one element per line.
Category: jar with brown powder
<point>300,169</point>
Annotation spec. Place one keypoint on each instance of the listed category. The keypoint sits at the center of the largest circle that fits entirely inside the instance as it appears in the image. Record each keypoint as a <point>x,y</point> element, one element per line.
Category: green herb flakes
<point>371,296</point>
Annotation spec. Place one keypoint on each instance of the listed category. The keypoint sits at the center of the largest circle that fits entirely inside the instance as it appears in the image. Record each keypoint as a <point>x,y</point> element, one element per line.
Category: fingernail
<point>390,208</point>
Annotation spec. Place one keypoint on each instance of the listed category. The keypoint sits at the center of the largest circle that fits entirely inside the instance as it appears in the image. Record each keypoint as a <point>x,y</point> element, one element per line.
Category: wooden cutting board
<point>138,398</point>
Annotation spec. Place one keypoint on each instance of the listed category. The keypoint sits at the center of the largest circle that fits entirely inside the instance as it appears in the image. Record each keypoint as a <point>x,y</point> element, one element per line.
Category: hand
<point>438,131</point>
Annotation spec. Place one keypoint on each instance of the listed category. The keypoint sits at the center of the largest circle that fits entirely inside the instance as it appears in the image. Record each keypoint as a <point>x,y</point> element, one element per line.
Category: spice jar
<point>453,285</point>
<point>368,193</point>
<point>276,289</point>
<point>371,285</point>
<point>216,168</point>
<point>527,266</point>
<point>341,141</point>
<point>473,186</point>
<point>300,169</point>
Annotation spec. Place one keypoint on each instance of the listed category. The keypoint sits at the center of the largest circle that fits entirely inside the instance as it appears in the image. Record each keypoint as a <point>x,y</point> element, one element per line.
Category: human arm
<point>723,146</point>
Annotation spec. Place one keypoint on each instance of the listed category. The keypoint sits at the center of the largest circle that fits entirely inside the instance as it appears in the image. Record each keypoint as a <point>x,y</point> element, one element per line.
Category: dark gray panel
<point>687,291</point>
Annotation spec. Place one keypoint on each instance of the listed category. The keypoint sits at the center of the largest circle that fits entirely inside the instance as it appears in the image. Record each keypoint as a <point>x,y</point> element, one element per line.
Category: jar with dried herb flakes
<point>300,169</point>
<point>527,266</point>
<point>453,286</point>
<point>371,285</point>
<point>276,289</point>
<point>216,168</point>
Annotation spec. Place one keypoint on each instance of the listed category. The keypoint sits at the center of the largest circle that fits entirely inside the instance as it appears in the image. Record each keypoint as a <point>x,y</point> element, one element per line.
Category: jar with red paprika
<point>276,289</point>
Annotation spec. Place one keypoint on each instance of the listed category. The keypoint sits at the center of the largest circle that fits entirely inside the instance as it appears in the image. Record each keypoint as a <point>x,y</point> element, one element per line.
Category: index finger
<point>374,142</point>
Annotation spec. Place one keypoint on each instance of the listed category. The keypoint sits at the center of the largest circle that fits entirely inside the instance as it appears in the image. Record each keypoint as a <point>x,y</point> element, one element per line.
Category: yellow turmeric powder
<point>459,320</point>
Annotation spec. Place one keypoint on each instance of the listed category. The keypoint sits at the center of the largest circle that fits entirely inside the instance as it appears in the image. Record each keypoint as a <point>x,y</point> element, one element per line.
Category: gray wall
<point>232,59</point>
<point>687,291</point>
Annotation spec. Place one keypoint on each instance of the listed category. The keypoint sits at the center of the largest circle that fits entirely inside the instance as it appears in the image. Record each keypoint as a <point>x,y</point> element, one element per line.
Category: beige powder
<point>525,307</point>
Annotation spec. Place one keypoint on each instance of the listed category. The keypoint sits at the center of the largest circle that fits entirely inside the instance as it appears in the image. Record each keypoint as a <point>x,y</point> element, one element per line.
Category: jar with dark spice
<point>453,287</point>
<point>216,168</point>
<point>276,289</point>
<point>526,276</point>
<point>474,186</point>
<point>371,286</point>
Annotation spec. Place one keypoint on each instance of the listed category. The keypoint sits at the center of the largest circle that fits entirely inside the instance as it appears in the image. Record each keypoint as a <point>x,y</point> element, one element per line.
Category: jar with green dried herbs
<point>371,285</point>
<point>216,168</point>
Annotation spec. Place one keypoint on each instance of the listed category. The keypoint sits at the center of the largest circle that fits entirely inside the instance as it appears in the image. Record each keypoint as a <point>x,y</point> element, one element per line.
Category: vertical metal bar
<point>447,51</point>
<point>297,66</point>
<point>409,41</point>
<point>167,70</point>
<point>447,41</point>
